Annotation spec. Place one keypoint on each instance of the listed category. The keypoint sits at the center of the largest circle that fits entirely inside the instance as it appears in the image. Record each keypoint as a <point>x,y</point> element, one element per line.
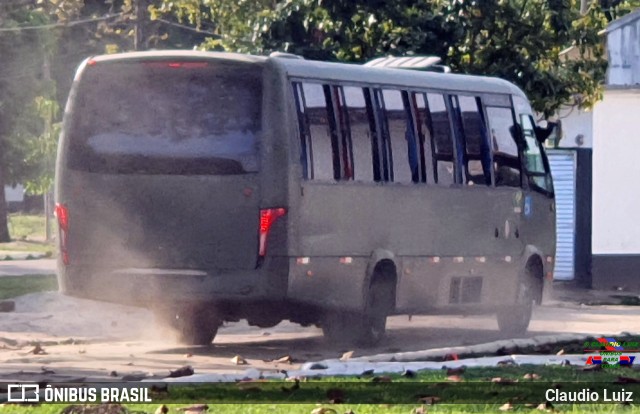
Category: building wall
<point>623,48</point>
<point>577,125</point>
<point>616,191</point>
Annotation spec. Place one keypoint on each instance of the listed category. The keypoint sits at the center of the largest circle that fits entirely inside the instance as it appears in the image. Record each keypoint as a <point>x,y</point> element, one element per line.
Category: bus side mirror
<point>552,132</point>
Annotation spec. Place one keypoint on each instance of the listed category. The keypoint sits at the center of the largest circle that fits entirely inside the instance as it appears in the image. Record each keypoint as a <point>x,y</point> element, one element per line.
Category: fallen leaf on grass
<point>545,406</point>
<point>429,399</point>
<point>163,409</point>
<point>506,407</point>
<point>335,395</point>
<point>382,378</point>
<point>504,380</point>
<point>293,388</point>
<point>249,385</point>
<point>323,410</point>
<point>194,409</point>
<point>454,378</point>
<point>95,409</point>
<point>626,380</point>
<point>456,371</point>
<point>159,389</point>
<point>238,360</point>
<point>409,374</point>
<point>181,372</point>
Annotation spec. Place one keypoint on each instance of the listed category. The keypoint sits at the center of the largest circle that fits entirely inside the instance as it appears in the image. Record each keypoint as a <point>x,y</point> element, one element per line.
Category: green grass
<point>26,226</point>
<point>476,393</point>
<point>27,234</point>
<point>13,286</point>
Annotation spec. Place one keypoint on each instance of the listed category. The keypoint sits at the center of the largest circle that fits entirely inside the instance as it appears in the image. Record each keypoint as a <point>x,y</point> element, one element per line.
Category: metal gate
<point>563,170</point>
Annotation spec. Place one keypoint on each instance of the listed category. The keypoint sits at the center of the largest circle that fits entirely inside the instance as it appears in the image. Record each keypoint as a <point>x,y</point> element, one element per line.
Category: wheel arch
<point>382,268</point>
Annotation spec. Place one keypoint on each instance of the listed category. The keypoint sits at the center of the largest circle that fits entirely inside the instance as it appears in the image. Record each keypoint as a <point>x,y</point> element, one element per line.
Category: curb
<point>23,256</point>
<point>419,360</point>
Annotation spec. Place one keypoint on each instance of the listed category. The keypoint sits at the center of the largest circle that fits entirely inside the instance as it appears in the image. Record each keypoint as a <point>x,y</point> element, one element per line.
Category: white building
<point>605,231</point>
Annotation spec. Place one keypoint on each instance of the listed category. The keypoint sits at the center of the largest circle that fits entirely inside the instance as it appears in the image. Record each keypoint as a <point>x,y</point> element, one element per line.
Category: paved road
<point>91,340</point>
<point>27,267</point>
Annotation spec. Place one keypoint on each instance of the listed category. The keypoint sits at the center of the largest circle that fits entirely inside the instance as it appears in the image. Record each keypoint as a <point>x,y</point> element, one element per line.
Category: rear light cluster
<point>268,216</point>
<point>62,214</point>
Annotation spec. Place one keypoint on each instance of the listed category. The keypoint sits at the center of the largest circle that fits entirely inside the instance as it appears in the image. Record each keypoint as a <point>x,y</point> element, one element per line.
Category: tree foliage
<point>518,40</point>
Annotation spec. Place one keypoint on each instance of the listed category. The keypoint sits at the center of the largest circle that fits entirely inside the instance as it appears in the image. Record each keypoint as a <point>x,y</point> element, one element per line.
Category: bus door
<point>490,244</point>
<point>509,195</point>
<point>538,210</point>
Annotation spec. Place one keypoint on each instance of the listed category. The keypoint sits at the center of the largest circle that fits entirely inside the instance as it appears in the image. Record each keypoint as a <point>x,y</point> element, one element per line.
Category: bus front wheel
<point>192,325</point>
<point>514,320</point>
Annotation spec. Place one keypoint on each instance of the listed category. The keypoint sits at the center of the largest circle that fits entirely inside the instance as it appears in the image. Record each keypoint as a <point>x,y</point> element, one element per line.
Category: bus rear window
<point>167,118</point>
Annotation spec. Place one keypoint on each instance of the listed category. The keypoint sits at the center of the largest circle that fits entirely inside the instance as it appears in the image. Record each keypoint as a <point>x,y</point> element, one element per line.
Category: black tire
<point>514,320</point>
<point>196,325</point>
<point>366,328</point>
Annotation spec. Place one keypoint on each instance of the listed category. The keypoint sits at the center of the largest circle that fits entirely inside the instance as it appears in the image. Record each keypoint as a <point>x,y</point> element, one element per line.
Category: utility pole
<point>46,76</point>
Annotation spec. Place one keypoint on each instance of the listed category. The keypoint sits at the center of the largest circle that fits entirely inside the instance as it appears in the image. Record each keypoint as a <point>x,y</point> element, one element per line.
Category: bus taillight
<point>268,216</point>
<point>62,213</point>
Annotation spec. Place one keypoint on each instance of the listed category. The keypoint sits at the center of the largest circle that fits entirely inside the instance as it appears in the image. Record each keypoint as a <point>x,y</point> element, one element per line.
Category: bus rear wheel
<point>192,325</point>
<point>365,328</point>
<point>514,320</point>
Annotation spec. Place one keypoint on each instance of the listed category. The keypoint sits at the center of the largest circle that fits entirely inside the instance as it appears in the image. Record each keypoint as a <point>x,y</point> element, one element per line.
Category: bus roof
<point>169,54</point>
<point>346,72</point>
<point>341,72</point>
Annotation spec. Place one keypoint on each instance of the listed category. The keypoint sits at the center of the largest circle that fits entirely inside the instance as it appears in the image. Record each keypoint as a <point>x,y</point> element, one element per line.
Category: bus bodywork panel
<point>186,236</point>
<point>433,235</point>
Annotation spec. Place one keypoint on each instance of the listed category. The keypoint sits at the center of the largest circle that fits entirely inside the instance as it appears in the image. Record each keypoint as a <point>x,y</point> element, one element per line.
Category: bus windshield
<point>160,117</point>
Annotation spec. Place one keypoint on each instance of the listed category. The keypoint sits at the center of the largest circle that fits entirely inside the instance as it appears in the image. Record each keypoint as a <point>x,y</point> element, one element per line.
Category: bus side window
<point>360,132</point>
<point>401,136</point>
<point>342,135</point>
<point>504,134</point>
<point>320,145</point>
<point>441,140</point>
<point>306,159</point>
<point>477,154</point>
<point>424,133</point>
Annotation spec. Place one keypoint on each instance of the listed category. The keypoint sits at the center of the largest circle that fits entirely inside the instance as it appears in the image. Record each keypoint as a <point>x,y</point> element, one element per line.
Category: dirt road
<point>90,340</point>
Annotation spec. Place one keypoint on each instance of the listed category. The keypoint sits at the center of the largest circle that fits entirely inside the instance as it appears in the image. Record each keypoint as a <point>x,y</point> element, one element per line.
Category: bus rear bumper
<point>151,287</point>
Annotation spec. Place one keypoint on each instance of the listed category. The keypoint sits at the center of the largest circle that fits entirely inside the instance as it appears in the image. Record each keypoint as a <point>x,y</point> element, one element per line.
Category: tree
<point>41,44</point>
<point>20,82</point>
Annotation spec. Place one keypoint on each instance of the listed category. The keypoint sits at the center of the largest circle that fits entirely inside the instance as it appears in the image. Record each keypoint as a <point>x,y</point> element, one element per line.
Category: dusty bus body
<point>213,186</point>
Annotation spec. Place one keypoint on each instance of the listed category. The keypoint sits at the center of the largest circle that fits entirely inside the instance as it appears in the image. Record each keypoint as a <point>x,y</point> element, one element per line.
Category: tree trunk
<point>4,211</point>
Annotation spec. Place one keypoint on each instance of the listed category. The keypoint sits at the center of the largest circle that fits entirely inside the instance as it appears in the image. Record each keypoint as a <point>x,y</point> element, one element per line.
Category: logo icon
<point>610,352</point>
<point>23,393</point>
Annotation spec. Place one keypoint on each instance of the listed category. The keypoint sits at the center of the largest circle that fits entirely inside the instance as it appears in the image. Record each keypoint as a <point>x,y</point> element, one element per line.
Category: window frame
<point>531,185</point>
